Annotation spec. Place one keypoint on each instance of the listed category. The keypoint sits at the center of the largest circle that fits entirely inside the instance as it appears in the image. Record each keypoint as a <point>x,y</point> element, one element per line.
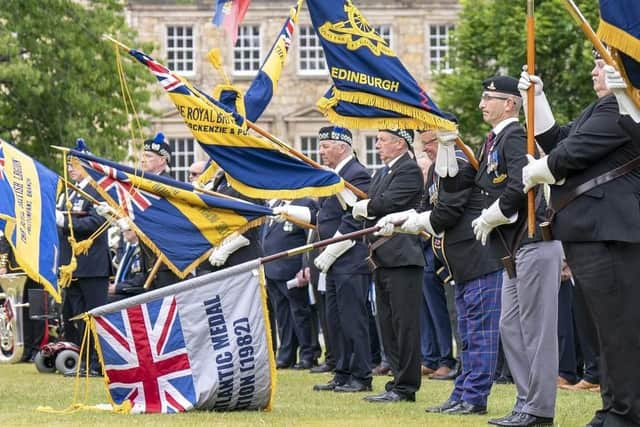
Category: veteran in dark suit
<point>477,275</point>
<point>293,310</point>
<point>398,262</point>
<point>89,286</point>
<point>597,217</point>
<point>131,274</point>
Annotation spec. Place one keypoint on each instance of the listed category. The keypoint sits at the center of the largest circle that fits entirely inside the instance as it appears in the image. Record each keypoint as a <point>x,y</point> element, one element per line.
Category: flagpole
<point>467,152</point>
<point>270,137</point>
<point>531,65</point>
<point>597,43</point>
<point>153,273</point>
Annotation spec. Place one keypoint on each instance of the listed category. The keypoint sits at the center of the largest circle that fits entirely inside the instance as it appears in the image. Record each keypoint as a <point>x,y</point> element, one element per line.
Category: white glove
<point>301,213</point>
<point>490,219</point>
<point>543,116</point>
<point>325,260</point>
<point>113,237</point>
<point>360,210</point>
<point>104,210</point>
<point>346,198</point>
<point>228,246</point>
<point>389,223</point>
<point>123,223</point>
<point>536,172</point>
<point>418,222</point>
<point>446,162</point>
<point>617,85</point>
<point>59,218</point>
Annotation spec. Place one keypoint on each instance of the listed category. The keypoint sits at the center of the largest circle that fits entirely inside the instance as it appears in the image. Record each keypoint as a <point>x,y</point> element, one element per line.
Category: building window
<point>180,49</point>
<point>310,54</point>
<point>246,53</point>
<point>439,47</point>
<point>372,161</point>
<point>182,155</point>
<point>385,32</point>
<point>309,147</point>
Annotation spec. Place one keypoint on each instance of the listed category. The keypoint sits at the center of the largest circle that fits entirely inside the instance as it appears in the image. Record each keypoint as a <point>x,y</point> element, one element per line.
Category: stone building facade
<point>183,35</point>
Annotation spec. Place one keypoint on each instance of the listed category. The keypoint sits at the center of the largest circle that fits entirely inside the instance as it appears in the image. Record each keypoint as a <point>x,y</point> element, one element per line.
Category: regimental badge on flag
<point>229,14</point>
<point>372,88</point>
<point>178,224</point>
<point>253,166</point>
<point>199,344</point>
<point>619,27</point>
<point>28,208</point>
<point>264,85</point>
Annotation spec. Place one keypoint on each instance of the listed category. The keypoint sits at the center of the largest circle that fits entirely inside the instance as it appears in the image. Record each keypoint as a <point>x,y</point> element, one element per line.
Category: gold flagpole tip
<point>57,147</point>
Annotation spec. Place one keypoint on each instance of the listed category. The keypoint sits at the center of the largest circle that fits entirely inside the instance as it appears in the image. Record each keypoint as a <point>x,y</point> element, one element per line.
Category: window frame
<point>175,49</point>
<point>443,61</point>
<point>182,158</point>
<point>318,48</point>
<point>252,72</point>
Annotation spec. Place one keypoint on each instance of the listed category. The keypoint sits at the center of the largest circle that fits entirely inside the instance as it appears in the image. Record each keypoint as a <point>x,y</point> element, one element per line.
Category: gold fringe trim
<point>272,359</point>
<point>619,39</point>
<point>425,119</point>
<point>259,193</point>
<point>66,272</point>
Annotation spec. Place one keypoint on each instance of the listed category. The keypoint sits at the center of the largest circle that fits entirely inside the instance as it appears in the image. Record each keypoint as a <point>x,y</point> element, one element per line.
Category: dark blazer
<point>282,236</point>
<point>499,176</point>
<point>5,248</point>
<point>97,263</point>
<point>589,146</point>
<point>452,213</point>
<point>398,190</point>
<point>332,218</point>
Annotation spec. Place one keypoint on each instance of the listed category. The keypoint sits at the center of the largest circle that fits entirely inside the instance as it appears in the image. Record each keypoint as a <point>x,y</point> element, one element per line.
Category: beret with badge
<point>335,133</point>
<point>158,145</point>
<point>501,84</point>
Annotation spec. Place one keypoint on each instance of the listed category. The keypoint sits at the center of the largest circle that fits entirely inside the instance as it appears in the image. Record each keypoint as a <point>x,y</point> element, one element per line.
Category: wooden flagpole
<point>531,66</point>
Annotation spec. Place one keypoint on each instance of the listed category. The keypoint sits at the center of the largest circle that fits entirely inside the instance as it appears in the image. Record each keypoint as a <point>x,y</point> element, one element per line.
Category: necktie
<point>488,145</point>
<point>384,171</point>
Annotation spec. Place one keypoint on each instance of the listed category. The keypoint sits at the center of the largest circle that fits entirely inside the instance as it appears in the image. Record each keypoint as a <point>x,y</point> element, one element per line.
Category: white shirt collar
<point>342,163</point>
<point>503,124</point>
<point>82,184</point>
<point>394,161</point>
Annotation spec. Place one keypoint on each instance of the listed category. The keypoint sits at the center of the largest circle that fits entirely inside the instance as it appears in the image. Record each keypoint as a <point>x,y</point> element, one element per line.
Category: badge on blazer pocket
<point>500,178</point>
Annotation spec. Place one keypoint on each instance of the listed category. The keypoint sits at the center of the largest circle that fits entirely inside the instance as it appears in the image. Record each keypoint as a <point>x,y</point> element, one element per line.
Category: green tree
<point>491,39</point>
<point>59,80</point>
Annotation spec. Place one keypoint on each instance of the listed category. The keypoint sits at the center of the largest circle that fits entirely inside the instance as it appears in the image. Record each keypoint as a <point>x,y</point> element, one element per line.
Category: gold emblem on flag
<point>355,33</point>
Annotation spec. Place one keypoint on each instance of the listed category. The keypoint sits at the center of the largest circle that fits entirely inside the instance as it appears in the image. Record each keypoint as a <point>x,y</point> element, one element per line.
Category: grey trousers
<point>529,326</point>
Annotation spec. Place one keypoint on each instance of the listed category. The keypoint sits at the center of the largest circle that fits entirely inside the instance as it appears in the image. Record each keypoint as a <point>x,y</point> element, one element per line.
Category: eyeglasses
<point>486,97</point>
<point>194,173</point>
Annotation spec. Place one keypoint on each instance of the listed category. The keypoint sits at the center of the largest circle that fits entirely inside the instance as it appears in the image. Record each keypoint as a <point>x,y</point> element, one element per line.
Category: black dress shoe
<point>390,396</point>
<point>353,386</point>
<point>465,408</point>
<point>330,386</point>
<point>496,421</point>
<point>598,419</point>
<point>321,369</point>
<point>282,365</point>
<point>305,364</point>
<point>451,375</point>
<point>441,408</point>
<point>525,420</point>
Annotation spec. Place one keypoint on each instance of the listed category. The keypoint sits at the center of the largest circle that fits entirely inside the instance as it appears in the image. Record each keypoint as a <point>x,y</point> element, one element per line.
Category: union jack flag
<point>169,81</point>
<point>145,357</point>
<point>114,181</point>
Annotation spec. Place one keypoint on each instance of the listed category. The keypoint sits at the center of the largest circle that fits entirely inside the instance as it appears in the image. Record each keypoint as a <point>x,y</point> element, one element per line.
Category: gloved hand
<point>536,172</point>
<point>418,222</point>
<point>617,85</point>
<point>543,116</point>
<point>113,237</point>
<point>490,219</point>
<point>104,210</point>
<point>389,223</point>
<point>360,210</point>
<point>124,224</point>
<point>59,218</point>
<point>446,162</point>
<point>346,198</point>
<point>301,213</point>
<point>325,260</point>
<point>229,245</point>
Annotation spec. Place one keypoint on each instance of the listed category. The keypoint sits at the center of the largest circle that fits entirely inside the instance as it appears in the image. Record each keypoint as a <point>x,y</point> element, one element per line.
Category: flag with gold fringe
<point>371,87</point>
<point>177,223</point>
<point>28,209</point>
<point>201,344</point>
<point>619,27</point>
<point>253,166</point>
<point>261,90</point>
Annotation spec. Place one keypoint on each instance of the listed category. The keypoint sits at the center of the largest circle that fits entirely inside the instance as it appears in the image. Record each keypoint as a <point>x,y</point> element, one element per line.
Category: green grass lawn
<point>23,389</point>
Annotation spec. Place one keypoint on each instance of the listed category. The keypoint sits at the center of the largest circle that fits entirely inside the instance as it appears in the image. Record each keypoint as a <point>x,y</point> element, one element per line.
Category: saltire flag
<point>229,14</point>
<point>177,223</point>
<point>28,208</point>
<point>371,87</point>
<point>261,90</point>
<point>199,344</point>
<point>619,27</point>
<point>253,166</point>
